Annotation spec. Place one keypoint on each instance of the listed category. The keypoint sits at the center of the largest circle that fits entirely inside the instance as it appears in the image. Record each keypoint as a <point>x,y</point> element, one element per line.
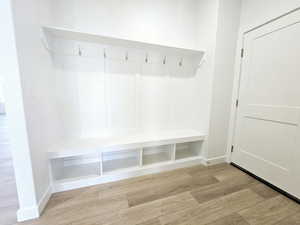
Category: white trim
<point>65,33</point>
<point>28,213</point>
<point>44,199</point>
<point>137,141</point>
<point>215,160</point>
<point>235,96</point>
<point>60,186</point>
<point>2,108</point>
<point>237,75</point>
<point>35,211</point>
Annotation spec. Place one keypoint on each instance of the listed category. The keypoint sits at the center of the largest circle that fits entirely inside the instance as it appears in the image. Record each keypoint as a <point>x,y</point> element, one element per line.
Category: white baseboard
<point>2,108</point>
<point>66,185</point>
<point>215,160</point>
<point>35,211</point>
<point>28,213</point>
<point>44,200</point>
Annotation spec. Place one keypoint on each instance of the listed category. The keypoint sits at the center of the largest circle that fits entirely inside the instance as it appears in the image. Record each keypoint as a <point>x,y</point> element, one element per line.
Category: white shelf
<point>87,146</point>
<point>70,184</point>
<point>159,154</point>
<point>78,172</point>
<point>59,32</point>
<point>117,161</point>
<point>187,150</point>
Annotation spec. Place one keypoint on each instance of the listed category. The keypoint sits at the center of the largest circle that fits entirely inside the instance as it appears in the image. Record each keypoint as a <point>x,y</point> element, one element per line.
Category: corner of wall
<point>27,213</point>
<point>34,212</point>
<point>223,77</point>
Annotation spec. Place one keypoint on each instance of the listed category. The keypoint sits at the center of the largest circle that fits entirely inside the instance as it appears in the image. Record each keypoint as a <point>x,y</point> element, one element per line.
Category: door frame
<point>237,80</point>
<point>234,111</point>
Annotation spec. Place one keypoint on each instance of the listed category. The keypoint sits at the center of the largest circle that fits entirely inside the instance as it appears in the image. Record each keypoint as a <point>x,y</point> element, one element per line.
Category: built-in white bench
<point>85,162</point>
<point>108,85</point>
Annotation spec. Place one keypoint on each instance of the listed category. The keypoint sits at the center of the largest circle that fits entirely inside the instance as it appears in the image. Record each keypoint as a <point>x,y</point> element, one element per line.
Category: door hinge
<point>232,148</point>
<point>242,53</point>
<point>236,103</point>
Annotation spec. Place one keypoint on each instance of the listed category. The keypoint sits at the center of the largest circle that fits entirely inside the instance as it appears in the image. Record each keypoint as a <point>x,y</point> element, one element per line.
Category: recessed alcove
<point>127,102</point>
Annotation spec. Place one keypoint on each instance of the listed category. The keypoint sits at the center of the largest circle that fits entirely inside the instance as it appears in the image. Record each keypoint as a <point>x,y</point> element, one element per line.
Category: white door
<point>267,136</point>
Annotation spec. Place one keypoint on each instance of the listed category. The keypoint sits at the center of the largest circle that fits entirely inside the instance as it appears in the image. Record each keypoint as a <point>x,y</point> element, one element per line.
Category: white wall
<point>227,33</point>
<point>207,23</point>
<point>190,24</point>
<point>204,24</point>
<point>254,13</point>
<point>2,100</point>
<point>10,72</point>
<point>182,23</point>
<point>169,22</point>
<point>37,89</point>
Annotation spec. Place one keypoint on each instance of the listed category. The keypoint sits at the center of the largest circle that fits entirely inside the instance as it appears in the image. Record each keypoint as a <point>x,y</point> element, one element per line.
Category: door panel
<point>267,130</point>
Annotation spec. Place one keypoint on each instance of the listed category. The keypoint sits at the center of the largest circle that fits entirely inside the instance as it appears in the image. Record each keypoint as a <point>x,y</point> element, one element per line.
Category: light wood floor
<point>8,193</point>
<point>216,195</point>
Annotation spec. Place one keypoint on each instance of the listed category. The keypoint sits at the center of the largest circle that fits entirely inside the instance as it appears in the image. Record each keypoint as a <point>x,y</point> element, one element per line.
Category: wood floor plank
<point>178,203</point>
<point>168,189</point>
<point>264,191</point>
<point>228,173</point>
<point>290,220</point>
<point>8,193</point>
<point>270,211</point>
<point>110,218</point>
<point>158,208</point>
<point>8,215</point>
<point>215,195</point>
<point>151,222</point>
<point>116,202</point>
<point>207,170</point>
<point>222,188</point>
<point>150,182</point>
<point>233,219</point>
<point>213,210</point>
<point>81,209</point>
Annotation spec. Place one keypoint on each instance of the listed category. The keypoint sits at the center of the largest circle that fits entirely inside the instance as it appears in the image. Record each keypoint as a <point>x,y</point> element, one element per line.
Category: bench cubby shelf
<point>99,161</point>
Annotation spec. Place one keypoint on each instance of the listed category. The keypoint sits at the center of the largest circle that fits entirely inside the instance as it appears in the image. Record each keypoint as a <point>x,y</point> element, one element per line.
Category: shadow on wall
<point>2,105</point>
<point>105,90</point>
<point>74,56</point>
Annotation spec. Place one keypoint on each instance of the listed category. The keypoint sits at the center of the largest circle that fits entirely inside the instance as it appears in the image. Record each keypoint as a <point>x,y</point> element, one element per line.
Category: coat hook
<point>165,60</point>
<point>104,53</point>
<point>126,56</point>
<point>146,60</point>
<point>79,51</point>
<point>181,62</point>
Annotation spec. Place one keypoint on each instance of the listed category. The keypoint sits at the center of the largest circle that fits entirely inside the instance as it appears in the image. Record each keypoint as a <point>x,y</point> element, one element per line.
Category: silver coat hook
<point>126,56</point>
<point>79,51</point>
<point>181,62</point>
<point>104,53</point>
<point>146,59</point>
<point>165,60</point>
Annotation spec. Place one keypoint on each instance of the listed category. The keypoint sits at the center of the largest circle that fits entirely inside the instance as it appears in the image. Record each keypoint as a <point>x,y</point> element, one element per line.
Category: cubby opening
<point>188,150</point>
<point>157,154</point>
<point>76,167</point>
<point>118,160</point>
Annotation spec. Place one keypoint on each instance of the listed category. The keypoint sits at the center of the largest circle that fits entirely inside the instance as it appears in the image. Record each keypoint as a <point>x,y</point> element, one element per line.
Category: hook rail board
<point>96,38</point>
